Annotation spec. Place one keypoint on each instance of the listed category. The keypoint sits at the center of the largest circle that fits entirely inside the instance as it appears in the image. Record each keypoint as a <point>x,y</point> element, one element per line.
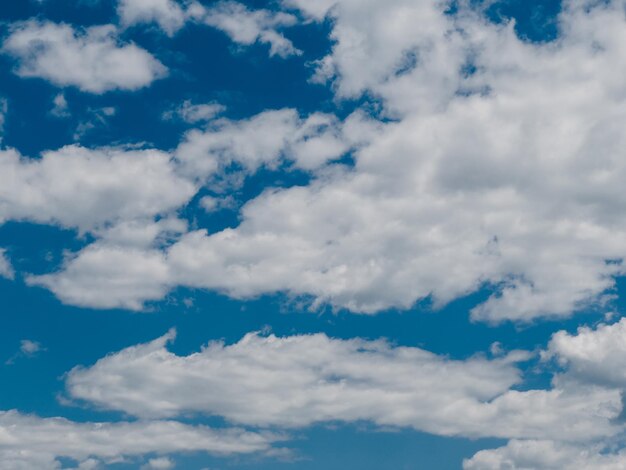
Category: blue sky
<point>308,234</point>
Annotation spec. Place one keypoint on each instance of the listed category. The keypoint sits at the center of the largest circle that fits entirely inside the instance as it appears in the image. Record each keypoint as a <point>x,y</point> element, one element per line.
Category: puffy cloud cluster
<point>92,59</point>
<point>593,356</point>
<point>268,139</point>
<point>590,358</point>
<point>242,25</point>
<point>28,442</point>
<point>168,14</point>
<point>246,27</point>
<point>301,380</point>
<point>545,455</point>
<point>85,188</point>
<point>501,165</point>
<point>502,168</point>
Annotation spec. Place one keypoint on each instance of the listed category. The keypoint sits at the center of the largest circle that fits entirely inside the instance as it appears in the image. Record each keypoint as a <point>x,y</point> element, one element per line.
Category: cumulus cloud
<point>501,168</point>
<point>28,441</point>
<point>300,380</point>
<point>593,356</point>
<point>242,25</point>
<point>508,176</point>
<point>268,139</point>
<point>88,188</point>
<point>589,358</point>
<point>246,27</point>
<point>107,275</point>
<point>92,59</point>
<point>60,108</point>
<point>168,14</point>
<point>545,455</point>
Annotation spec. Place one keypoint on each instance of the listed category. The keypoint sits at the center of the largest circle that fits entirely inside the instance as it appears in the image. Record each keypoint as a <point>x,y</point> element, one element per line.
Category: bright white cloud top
<point>93,60</point>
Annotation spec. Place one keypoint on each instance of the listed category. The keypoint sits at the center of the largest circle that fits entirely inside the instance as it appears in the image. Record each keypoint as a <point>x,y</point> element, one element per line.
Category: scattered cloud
<point>160,463</point>
<point>31,442</point>
<point>114,184</point>
<point>60,107</point>
<point>29,347</point>
<point>242,25</point>
<point>246,27</point>
<point>93,59</point>
<point>168,14</point>
<point>545,455</point>
<point>592,356</point>
<point>96,118</point>
<point>6,269</point>
<point>507,177</point>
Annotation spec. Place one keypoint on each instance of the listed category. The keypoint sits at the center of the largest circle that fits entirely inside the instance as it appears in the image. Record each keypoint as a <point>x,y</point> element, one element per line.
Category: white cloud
<point>195,113</point>
<point>160,463</point>
<point>515,187</point>
<point>590,358</point>
<point>300,380</point>
<point>93,59</point>
<point>60,107</point>
<point>28,442</point>
<point>122,189</point>
<point>373,41</point>
<point>242,25</point>
<point>593,356</point>
<point>267,139</point>
<point>247,27</point>
<point>545,455</point>
<point>168,14</point>
<point>211,204</point>
<point>107,275</point>
<point>6,270</point>
<point>29,347</point>
<point>84,188</point>
<point>509,177</point>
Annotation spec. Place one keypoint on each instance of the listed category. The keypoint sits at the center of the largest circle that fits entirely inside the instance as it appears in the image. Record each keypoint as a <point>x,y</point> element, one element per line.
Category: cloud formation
<point>112,184</point>
<point>28,442</point>
<point>93,59</point>
<point>246,27</point>
<point>168,14</point>
<point>500,168</point>
<point>301,380</point>
<point>545,455</point>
